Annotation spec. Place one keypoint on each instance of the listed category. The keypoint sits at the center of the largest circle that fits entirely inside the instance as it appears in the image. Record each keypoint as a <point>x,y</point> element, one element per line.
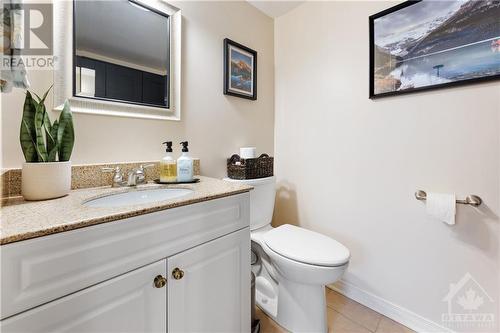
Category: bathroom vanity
<point>179,265</point>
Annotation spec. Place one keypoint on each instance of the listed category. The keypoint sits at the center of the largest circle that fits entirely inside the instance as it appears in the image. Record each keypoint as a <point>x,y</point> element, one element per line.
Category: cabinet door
<point>100,73</point>
<point>128,303</point>
<point>209,286</point>
<point>123,83</point>
<point>154,89</point>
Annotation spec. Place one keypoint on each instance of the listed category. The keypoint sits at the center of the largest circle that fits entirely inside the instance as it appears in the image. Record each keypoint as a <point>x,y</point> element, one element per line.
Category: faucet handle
<point>147,166</point>
<point>108,169</point>
<point>117,175</point>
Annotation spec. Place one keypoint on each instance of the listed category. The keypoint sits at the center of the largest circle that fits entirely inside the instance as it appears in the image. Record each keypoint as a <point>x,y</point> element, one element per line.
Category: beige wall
<point>215,125</point>
<point>348,166</point>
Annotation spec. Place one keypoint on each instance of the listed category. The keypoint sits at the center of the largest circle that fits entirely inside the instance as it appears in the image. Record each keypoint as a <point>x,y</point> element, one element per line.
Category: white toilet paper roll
<point>442,207</point>
<point>248,152</point>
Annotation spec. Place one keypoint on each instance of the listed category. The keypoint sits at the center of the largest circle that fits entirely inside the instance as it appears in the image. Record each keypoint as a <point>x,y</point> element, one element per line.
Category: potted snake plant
<point>47,148</point>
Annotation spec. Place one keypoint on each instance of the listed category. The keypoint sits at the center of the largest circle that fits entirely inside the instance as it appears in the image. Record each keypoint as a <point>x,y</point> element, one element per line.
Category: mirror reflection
<point>121,52</point>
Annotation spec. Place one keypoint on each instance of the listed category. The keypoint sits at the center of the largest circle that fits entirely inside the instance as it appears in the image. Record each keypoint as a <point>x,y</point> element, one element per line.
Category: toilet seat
<point>306,246</point>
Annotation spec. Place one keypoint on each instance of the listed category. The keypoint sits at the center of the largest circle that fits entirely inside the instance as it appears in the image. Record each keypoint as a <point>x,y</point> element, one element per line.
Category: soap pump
<point>168,166</point>
<point>184,165</point>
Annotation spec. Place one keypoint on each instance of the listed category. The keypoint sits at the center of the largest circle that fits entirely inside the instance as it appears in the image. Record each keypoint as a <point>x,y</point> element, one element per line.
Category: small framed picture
<point>240,70</point>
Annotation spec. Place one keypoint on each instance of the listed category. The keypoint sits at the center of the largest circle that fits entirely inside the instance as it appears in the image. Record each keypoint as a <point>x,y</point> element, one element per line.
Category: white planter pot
<point>42,181</point>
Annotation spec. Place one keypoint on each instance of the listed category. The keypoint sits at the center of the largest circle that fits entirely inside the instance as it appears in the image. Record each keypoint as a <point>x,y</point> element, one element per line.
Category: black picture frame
<point>228,90</point>
<point>373,95</point>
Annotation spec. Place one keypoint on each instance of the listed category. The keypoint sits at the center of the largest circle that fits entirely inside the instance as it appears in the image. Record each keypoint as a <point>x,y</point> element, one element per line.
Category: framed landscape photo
<point>429,44</point>
<point>240,70</point>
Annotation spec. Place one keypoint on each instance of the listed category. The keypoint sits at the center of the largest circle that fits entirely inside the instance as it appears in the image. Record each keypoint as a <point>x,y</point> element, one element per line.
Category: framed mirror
<point>126,63</point>
<point>117,60</point>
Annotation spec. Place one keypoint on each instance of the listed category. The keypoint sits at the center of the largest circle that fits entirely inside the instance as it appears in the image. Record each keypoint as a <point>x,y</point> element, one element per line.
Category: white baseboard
<point>388,309</point>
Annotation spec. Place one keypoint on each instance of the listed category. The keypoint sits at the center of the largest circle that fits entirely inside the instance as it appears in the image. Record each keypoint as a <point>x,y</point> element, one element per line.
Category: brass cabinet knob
<point>160,281</point>
<point>177,273</point>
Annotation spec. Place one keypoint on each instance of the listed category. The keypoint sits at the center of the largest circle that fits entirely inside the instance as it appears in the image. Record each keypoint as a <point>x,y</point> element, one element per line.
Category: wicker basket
<point>250,168</point>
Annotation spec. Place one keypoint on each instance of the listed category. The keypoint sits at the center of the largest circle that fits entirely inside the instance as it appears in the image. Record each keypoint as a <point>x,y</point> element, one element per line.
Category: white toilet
<point>292,265</point>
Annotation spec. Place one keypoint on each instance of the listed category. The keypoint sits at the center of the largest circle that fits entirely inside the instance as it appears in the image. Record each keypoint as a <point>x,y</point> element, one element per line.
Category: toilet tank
<point>261,200</point>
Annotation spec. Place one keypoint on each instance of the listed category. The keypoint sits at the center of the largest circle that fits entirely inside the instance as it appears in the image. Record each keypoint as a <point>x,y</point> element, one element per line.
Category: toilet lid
<point>306,246</point>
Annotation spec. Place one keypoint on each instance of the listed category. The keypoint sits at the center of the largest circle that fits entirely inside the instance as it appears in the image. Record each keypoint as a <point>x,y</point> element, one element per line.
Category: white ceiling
<point>122,31</point>
<point>275,8</point>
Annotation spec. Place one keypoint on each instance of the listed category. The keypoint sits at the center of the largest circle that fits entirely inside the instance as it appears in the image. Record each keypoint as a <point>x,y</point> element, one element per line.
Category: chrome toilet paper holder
<point>472,199</point>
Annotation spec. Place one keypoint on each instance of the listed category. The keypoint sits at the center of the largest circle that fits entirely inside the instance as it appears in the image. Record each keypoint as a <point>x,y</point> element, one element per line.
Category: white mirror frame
<point>63,68</point>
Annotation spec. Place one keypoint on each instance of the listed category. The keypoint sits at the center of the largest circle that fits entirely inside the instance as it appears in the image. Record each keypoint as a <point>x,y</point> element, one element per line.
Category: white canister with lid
<point>248,152</point>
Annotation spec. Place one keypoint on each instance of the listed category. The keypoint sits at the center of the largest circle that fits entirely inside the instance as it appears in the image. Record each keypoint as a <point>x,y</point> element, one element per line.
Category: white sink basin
<point>138,197</point>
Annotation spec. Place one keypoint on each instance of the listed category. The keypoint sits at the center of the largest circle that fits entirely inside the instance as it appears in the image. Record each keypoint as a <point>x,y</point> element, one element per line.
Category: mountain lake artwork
<point>428,44</point>
<point>240,70</point>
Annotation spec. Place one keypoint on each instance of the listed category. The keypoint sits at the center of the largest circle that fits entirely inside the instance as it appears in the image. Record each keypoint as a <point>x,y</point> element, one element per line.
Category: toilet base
<point>301,307</point>
<point>266,297</point>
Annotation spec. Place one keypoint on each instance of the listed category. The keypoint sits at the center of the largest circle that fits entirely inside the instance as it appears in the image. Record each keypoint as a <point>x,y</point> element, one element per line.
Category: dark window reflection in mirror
<point>121,52</point>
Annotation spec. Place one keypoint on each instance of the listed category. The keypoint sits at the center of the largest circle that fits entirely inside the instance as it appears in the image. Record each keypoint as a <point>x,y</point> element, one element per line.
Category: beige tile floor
<point>344,316</point>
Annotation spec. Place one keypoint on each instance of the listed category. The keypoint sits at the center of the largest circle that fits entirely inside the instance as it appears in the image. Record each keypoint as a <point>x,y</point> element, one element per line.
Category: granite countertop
<point>21,220</point>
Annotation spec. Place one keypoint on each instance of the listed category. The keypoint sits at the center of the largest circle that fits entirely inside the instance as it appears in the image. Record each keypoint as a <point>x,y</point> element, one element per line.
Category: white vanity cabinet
<point>127,303</point>
<point>185,269</point>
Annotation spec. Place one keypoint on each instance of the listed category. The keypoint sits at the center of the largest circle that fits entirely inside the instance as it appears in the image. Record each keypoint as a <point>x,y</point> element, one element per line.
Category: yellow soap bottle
<point>168,166</point>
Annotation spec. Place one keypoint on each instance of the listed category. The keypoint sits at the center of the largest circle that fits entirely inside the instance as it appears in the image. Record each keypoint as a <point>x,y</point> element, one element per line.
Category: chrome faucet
<point>135,176</point>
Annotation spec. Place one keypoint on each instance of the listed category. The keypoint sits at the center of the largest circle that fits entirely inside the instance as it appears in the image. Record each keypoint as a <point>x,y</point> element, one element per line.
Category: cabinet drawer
<point>127,303</point>
<point>39,270</point>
